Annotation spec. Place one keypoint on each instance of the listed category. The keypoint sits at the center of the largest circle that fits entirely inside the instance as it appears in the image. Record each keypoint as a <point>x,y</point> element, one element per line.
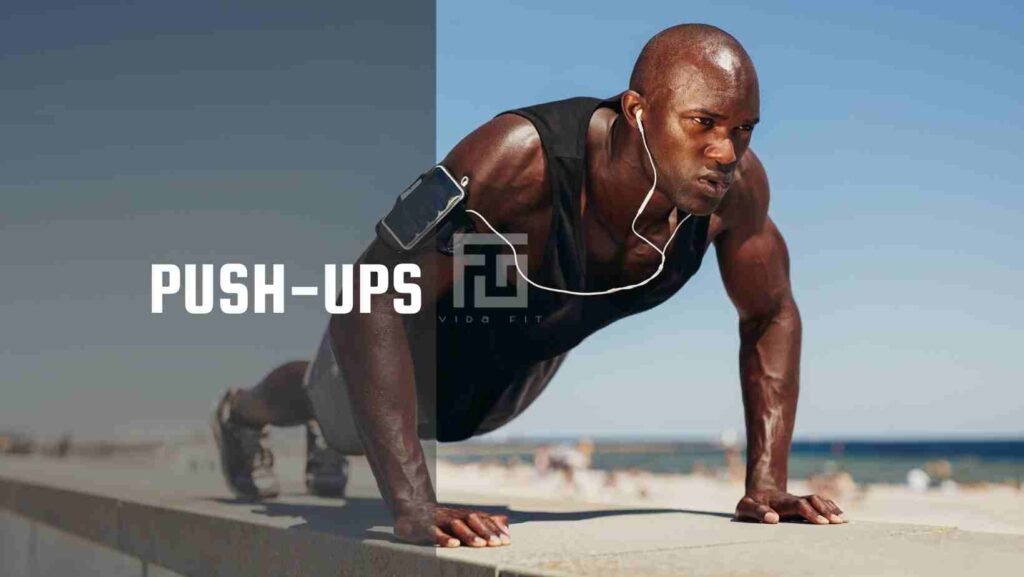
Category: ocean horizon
<point>970,460</point>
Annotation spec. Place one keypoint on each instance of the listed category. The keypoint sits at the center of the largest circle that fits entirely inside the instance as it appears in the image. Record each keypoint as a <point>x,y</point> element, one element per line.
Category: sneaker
<point>247,464</point>
<point>326,468</point>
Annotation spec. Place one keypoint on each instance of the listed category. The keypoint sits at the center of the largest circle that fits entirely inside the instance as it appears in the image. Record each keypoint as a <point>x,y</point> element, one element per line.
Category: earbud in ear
<point>639,113</point>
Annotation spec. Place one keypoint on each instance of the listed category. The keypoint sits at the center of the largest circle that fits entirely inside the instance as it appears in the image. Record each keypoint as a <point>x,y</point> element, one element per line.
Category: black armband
<point>421,209</point>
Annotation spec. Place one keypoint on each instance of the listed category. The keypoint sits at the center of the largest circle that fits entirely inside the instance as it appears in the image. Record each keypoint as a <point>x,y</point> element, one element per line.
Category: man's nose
<point>723,152</point>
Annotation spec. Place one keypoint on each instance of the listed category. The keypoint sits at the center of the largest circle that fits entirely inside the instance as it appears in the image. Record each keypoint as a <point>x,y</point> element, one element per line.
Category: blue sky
<point>271,131</point>
<point>266,131</point>
<point>892,142</point>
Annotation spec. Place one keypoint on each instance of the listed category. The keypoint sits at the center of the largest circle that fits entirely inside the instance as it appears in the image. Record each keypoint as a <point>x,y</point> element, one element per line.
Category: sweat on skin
<point>697,90</point>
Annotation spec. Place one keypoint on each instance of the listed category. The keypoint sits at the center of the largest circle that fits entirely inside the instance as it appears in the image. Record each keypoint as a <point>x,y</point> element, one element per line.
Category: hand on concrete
<point>451,527</point>
<point>772,506</point>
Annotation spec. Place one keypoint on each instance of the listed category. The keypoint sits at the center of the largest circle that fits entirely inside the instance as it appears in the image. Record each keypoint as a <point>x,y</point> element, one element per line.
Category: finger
<point>493,531</point>
<point>823,509</point>
<point>839,511</point>
<point>488,530</point>
<point>502,521</point>
<point>833,511</point>
<point>836,510</point>
<point>444,539</point>
<point>466,534</point>
<point>477,523</point>
<point>503,538</point>
<point>750,510</point>
<point>805,510</point>
<point>830,506</point>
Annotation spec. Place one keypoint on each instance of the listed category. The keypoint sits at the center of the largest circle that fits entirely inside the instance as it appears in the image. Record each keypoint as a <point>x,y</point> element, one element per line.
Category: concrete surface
<point>32,549</point>
<point>185,522</point>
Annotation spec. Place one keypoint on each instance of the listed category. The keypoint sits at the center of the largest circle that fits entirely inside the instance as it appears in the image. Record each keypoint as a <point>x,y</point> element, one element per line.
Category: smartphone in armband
<point>420,208</point>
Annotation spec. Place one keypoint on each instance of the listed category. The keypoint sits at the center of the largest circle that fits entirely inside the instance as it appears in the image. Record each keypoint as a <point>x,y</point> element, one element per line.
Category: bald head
<point>697,89</point>
<point>671,59</point>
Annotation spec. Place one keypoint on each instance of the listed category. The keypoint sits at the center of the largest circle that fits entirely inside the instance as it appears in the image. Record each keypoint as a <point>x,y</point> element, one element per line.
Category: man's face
<point>698,129</point>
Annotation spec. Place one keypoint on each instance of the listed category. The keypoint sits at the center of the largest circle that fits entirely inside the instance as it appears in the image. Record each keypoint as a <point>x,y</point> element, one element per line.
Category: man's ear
<point>632,103</point>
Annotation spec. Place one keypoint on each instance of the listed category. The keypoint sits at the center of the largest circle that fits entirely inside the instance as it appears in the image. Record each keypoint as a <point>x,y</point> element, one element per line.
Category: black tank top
<point>492,362</point>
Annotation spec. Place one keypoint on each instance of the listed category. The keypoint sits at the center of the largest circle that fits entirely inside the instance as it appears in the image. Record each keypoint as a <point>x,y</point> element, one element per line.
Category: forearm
<point>770,379</point>
<point>374,357</point>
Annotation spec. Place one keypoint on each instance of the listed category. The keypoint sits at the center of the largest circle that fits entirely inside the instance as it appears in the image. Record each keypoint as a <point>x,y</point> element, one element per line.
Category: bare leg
<point>279,399</point>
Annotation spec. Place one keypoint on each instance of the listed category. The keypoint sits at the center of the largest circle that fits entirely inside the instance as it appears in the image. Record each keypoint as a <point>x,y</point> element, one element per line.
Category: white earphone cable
<point>643,205</point>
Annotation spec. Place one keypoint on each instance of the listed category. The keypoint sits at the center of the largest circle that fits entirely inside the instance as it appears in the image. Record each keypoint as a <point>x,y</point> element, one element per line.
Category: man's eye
<point>704,121</point>
<point>747,127</point>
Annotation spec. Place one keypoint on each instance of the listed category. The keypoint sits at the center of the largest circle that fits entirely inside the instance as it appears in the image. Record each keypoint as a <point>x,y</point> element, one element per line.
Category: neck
<point>622,178</point>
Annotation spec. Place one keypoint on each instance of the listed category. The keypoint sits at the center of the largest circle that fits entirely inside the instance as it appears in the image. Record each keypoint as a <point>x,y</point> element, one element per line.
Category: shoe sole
<point>338,493</point>
<point>215,426</point>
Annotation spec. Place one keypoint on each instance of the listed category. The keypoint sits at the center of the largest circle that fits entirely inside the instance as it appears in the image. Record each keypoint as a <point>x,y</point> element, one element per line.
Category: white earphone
<point>643,205</point>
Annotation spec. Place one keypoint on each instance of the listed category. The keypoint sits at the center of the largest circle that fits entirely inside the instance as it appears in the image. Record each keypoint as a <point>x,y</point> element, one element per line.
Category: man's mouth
<point>714,186</point>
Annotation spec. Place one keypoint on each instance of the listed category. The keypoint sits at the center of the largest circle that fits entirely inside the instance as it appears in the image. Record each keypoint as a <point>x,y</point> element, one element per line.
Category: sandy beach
<point>985,508</point>
<point>982,507</point>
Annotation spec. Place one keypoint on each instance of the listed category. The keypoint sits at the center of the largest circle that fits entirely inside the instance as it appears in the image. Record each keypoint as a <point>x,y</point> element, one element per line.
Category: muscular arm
<point>502,160</point>
<point>754,264</point>
<point>374,356</point>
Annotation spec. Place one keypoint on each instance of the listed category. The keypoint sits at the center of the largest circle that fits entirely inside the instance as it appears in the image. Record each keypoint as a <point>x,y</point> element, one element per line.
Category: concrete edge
<point>192,543</point>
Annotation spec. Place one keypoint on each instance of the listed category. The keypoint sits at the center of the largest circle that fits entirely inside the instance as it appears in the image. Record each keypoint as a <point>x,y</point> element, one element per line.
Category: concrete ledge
<point>59,518</point>
<point>210,535</point>
<point>35,549</point>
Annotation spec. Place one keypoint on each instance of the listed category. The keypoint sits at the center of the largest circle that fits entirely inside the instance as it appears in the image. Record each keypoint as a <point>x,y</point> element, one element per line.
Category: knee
<point>289,371</point>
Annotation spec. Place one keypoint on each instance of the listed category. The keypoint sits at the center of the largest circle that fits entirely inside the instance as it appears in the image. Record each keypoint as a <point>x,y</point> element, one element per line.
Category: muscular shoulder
<point>504,161</point>
<point>746,203</point>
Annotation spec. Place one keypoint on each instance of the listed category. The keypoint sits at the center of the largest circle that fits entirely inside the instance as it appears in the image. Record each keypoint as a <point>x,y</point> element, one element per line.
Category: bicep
<point>754,265</point>
<point>503,161</point>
